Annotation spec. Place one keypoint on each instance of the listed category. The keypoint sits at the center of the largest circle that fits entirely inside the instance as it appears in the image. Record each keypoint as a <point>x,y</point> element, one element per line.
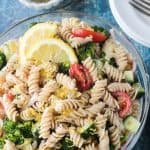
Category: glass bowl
<point>141,72</point>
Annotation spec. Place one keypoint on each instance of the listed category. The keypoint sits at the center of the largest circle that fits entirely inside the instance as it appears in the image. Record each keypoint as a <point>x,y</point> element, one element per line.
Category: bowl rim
<point>121,33</point>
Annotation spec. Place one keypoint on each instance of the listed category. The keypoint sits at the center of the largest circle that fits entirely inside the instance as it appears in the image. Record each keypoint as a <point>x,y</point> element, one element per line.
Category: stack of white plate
<point>133,23</point>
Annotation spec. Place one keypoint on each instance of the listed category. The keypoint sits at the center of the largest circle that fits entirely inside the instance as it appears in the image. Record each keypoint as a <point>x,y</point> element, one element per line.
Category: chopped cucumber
<point>139,90</point>
<point>129,76</point>
<point>131,124</point>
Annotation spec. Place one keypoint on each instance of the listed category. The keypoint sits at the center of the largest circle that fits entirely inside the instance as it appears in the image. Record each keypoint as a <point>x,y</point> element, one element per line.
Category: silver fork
<point>142,5</point>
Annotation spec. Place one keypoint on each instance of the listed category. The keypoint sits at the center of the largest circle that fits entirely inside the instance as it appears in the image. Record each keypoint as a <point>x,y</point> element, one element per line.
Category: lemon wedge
<point>53,49</point>
<point>34,35</point>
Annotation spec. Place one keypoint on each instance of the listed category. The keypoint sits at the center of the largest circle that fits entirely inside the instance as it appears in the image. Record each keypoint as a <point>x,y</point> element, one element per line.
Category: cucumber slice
<point>129,76</point>
<point>139,90</point>
<point>131,124</point>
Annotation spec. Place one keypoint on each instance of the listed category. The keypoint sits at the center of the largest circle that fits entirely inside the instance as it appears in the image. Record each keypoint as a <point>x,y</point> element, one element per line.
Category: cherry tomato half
<point>10,96</point>
<point>97,36</point>
<point>82,76</point>
<point>124,102</point>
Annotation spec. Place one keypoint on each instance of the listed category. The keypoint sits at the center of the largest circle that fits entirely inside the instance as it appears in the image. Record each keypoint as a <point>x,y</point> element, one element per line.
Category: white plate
<point>133,23</point>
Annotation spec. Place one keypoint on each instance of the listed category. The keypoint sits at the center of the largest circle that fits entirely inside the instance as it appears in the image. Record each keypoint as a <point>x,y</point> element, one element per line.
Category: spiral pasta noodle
<point>74,22</point>
<point>110,100</point>
<point>22,100</point>
<point>33,80</point>
<point>10,109</point>
<point>100,122</point>
<point>113,117</point>
<point>113,73</point>
<point>29,114</point>
<point>75,42</point>
<point>23,72</point>
<point>115,137</point>
<point>109,48</point>
<point>67,104</point>
<point>39,106</point>
<point>121,57</point>
<point>13,80</point>
<point>56,136</point>
<point>104,142</point>
<point>91,146</point>
<point>46,91</point>
<point>9,145</point>
<point>46,122</point>
<point>96,108</point>
<point>98,90</point>
<point>76,138</point>
<point>66,81</point>
<point>91,66</point>
<point>117,86</point>
<point>79,113</point>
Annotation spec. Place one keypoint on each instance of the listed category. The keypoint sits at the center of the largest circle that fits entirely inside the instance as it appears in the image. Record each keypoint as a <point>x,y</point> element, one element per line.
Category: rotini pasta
<point>9,146</point>
<point>66,81</point>
<point>104,142</point>
<point>113,117</point>
<point>110,100</point>
<point>115,137</point>
<point>121,57</point>
<point>46,122</point>
<point>56,136</point>
<point>10,109</point>
<point>91,146</point>
<point>67,104</point>
<point>91,66</point>
<point>98,90</point>
<point>117,86</point>
<point>29,114</point>
<point>33,80</point>
<point>49,88</point>
<point>76,138</point>
<point>113,72</point>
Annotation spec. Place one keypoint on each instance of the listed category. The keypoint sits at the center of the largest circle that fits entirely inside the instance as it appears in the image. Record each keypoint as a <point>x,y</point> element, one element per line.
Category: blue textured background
<point>12,11</point>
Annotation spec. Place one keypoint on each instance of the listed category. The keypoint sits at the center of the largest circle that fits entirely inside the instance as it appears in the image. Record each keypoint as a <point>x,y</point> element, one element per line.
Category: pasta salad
<point>67,85</point>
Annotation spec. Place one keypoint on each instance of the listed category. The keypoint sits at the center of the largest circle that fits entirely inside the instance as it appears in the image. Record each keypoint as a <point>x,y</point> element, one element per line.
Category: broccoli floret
<point>2,142</point>
<point>102,30</point>
<point>17,131</point>
<point>64,67</point>
<point>16,137</point>
<point>85,51</point>
<point>3,60</point>
<point>8,125</point>
<point>25,129</point>
<point>67,144</point>
<point>88,131</point>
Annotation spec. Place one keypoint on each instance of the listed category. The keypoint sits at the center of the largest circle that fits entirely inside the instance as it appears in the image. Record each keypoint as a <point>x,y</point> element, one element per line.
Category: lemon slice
<point>34,35</point>
<point>53,49</point>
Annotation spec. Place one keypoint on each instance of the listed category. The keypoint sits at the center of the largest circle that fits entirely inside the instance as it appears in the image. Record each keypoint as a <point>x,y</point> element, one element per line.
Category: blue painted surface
<point>11,11</point>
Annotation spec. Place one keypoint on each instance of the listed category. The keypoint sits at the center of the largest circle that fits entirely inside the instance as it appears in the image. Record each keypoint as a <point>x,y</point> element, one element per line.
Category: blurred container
<point>45,4</point>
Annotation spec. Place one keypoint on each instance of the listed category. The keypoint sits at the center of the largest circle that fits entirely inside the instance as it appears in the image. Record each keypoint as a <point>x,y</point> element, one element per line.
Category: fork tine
<point>143,3</point>
<point>147,1</point>
<point>139,7</point>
